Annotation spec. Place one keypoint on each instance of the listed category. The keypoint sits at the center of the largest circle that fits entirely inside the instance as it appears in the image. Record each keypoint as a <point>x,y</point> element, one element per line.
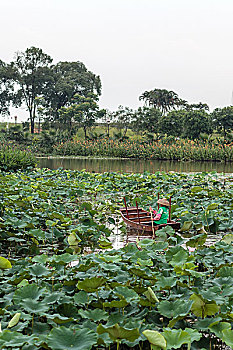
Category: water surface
<point>135,166</point>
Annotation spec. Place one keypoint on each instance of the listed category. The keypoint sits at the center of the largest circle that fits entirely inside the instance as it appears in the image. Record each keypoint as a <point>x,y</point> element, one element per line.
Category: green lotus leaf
<point>127,293</point>
<point>81,298</point>
<point>179,258</point>
<point>218,328</point>
<point>203,324</point>
<point>226,271</point>
<point>42,259</point>
<point>95,315</point>
<point>63,338</point>
<point>118,333</point>
<point>86,205</point>
<point>23,283</point>
<point>202,307</point>
<point>85,267</point>
<point>166,282</point>
<point>64,259</point>
<point>31,291</point>
<point>15,319</point>
<point>116,303</point>
<point>196,189</point>
<point>194,334</point>
<point>212,206</point>
<point>10,339</point>
<point>187,225</point>
<point>111,258</point>
<point>150,295</point>
<point>52,298</point>
<point>228,238</point>
<point>140,273</point>
<point>175,338</point>
<point>175,308</point>
<point>91,284</point>
<point>73,239</point>
<point>197,241</point>
<point>59,319</point>
<point>39,270</point>
<point>155,338</point>
<point>5,263</point>
<point>34,306</point>
<point>37,233</point>
<point>228,337</point>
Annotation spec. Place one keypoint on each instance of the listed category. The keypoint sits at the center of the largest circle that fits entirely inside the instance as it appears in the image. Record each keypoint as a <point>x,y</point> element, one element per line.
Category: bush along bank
<point>159,150</point>
<point>14,158</point>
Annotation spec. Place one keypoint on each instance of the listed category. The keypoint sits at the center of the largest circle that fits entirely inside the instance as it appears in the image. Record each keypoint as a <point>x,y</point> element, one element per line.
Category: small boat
<point>139,219</point>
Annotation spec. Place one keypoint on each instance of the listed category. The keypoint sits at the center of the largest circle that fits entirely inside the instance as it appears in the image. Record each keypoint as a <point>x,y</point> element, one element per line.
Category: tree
<point>69,79</point>
<point>83,111</point>
<point>6,88</point>
<point>124,117</point>
<point>223,119</point>
<point>196,122</point>
<point>146,119</point>
<point>196,106</point>
<point>162,99</point>
<point>172,123</point>
<point>31,75</point>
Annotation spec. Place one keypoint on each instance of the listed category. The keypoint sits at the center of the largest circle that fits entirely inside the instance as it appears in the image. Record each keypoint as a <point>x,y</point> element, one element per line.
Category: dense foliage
<point>14,158</point>
<point>171,149</point>
<point>155,292</point>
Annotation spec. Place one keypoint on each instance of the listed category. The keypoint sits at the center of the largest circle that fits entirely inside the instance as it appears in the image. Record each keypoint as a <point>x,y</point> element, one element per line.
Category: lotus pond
<point>64,287</point>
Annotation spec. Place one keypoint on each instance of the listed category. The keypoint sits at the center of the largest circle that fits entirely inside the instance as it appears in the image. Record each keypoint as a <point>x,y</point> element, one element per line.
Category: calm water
<point>136,166</point>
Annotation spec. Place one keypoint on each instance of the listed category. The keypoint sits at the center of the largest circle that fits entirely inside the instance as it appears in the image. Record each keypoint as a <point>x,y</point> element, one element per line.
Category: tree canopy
<point>68,80</point>
<point>162,99</point>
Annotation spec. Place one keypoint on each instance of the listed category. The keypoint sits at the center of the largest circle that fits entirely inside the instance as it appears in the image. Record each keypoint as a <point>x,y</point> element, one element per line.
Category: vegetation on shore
<point>160,150</point>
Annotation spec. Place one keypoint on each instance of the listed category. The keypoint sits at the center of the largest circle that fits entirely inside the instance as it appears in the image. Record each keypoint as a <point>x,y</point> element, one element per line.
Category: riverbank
<point>180,150</point>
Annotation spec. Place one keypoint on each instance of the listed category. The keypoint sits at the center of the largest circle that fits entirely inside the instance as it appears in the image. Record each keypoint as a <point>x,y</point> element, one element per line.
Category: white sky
<point>134,45</point>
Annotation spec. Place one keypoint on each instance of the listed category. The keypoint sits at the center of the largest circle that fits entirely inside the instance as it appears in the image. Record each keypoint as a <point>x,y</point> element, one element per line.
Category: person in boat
<point>161,216</point>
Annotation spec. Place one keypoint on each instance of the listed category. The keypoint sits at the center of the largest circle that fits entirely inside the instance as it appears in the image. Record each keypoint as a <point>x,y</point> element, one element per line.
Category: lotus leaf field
<point>64,287</point>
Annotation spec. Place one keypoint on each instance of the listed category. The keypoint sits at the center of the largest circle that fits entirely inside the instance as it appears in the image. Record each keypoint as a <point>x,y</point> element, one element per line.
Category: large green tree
<point>123,117</point>
<point>31,75</point>
<point>196,122</point>
<point>69,79</point>
<point>162,99</point>
<point>223,119</point>
<point>172,123</point>
<point>146,119</point>
<point>6,88</point>
<point>83,111</point>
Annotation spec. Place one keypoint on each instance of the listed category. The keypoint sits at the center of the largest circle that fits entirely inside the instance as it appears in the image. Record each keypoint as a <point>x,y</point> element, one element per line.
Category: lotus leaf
<point>15,319</point>
<point>218,328</point>
<point>95,315</point>
<point>31,291</point>
<point>91,284</point>
<point>175,308</point>
<point>116,303</point>
<point>155,338</point>
<point>64,338</point>
<point>202,307</point>
<point>4,263</point>
<point>228,337</point>
<point>176,337</point>
<point>150,295</point>
<point>127,293</point>
<point>118,333</point>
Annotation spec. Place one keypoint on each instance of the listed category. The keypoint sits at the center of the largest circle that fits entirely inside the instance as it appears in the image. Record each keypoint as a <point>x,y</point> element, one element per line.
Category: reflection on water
<point>135,166</point>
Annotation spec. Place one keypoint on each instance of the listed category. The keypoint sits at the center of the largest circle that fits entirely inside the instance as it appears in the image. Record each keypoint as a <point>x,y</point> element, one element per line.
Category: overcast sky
<point>134,45</point>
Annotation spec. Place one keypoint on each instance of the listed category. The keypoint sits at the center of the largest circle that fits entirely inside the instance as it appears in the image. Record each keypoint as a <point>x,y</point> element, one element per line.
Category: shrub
<point>13,158</point>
